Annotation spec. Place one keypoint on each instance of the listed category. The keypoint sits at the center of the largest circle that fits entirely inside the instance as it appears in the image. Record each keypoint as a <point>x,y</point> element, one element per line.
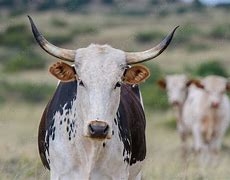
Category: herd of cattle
<point>93,128</point>
<point>202,110</point>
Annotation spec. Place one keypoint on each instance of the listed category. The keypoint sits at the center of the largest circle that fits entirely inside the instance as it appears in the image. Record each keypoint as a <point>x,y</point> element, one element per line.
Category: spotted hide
<point>59,127</point>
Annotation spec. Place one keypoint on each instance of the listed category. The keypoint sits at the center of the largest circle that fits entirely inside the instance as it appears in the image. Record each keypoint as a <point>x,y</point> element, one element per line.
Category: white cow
<point>94,126</point>
<point>177,90</point>
<point>207,110</point>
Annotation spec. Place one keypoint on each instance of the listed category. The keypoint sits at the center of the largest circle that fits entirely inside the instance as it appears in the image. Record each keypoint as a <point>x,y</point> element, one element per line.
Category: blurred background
<point>200,47</point>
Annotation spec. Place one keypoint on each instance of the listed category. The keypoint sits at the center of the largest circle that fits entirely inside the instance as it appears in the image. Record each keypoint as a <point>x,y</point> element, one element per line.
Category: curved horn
<point>64,54</point>
<point>138,57</point>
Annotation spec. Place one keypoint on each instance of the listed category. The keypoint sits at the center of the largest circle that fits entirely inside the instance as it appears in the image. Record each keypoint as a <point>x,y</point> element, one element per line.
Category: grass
<point>19,157</point>
<point>192,45</point>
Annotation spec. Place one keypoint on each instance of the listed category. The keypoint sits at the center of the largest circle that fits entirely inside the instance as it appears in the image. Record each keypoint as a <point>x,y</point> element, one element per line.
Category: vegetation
<point>13,36</point>
<point>212,67</point>
<point>148,36</point>
<point>25,92</point>
<point>221,32</point>
<point>24,60</point>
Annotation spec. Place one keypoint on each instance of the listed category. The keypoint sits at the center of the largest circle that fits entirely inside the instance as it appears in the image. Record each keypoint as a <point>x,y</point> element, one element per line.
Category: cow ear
<point>63,71</point>
<point>228,86</point>
<point>136,74</point>
<point>162,83</point>
<point>197,83</point>
<point>189,82</point>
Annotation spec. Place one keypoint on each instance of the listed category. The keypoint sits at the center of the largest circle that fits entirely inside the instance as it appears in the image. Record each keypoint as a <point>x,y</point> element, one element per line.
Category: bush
<point>58,22</point>
<point>27,92</point>
<point>60,39</point>
<point>26,60</point>
<point>153,97</point>
<point>34,93</point>
<point>221,32</point>
<point>84,29</point>
<point>195,47</point>
<point>73,5</point>
<point>185,33</point>
<point>148,36</point>
<point>213,67</point>
<point>16,36</point>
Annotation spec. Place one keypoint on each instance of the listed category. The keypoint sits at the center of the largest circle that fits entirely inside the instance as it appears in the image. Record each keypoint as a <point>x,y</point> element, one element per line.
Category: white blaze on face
<point>99,70</point>
<point>176,86</point>
<point>215,87</point>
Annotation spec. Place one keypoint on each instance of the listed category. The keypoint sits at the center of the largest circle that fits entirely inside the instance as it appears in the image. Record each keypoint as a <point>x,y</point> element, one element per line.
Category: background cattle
<point>207,111</point>
<point>176,87</point>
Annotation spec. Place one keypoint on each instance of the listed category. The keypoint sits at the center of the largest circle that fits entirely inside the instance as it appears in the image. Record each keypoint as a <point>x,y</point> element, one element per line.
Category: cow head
<point>215,87</point>
<point>176,86</point>
<point>99,71</point>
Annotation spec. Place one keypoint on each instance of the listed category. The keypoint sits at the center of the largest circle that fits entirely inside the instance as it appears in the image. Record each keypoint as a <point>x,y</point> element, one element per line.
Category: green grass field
<point>195,42</point>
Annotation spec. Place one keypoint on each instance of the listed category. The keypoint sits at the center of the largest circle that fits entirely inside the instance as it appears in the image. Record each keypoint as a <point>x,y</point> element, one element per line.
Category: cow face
<point>176,86</point>
<point>215,87</point>
<point>99,71</point>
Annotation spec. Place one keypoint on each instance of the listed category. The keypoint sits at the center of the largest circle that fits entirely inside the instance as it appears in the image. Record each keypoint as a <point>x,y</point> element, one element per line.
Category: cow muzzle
<point>215,105</point>
<point>175,103</point>
<point>98,129</point>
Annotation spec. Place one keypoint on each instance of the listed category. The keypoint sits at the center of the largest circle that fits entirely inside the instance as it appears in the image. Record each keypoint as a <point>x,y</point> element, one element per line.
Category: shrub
<point>60,39</point>
<point>221,32</point>
<point>84,29</point>
<point>194,47</point>
<point>25,60</point>
<point>213,67</point>
<point>34,93</point>
<point>14,37</point>
<point>185,33</point>
<point>73,5</point>
<point>58,22</point>
<point>27,92</point>
<point>148,36</point>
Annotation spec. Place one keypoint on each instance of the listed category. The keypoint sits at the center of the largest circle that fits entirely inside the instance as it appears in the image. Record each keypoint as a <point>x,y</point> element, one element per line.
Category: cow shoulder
<point>132,120</point>
<point>63,97</point>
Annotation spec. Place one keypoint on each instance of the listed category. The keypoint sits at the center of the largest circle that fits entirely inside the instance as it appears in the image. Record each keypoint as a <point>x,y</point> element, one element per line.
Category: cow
<point>207,110</point>
<point>176,86</point>
<point>94,125</point>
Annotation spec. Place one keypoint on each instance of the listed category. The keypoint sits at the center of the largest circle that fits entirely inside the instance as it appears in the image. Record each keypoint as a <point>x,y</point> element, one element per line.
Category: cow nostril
<point>91,130</point>
<point>106,130</point>
<point>98,129</point>
<point>175,103</point>
<point>215,104</point>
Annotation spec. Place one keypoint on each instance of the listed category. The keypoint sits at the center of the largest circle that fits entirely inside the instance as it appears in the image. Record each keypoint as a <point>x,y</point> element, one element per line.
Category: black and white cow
<point>94,125</point>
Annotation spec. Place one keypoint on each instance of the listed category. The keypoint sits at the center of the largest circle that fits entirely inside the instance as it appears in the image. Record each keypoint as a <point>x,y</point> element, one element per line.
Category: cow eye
<point>118,84</point>
<point>81,83</point>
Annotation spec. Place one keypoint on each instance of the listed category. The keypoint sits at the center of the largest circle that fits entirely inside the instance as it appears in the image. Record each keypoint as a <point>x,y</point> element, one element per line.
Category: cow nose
<point>98,129</point>
<point>175,103</point>
<point>215,104</point>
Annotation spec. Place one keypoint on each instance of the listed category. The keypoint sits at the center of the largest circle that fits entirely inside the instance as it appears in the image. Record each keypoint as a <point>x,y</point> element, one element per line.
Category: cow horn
<point>64,54</point>
<point>138,57</point>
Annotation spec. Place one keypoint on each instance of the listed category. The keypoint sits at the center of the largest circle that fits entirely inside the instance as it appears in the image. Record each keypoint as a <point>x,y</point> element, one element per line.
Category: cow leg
<point>197,139</point>
<point>184,144</point>
<point>139,176</point>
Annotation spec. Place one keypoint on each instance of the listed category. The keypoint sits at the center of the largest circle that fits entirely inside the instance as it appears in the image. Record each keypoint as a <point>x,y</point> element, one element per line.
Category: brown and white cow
<point>94,126</point>
<point>176,86</point>
<point>207,111</point>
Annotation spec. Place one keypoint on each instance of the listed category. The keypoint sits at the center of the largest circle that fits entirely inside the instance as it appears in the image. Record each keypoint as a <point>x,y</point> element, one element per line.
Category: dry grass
<point>19,155</point>
<point>19,122</point>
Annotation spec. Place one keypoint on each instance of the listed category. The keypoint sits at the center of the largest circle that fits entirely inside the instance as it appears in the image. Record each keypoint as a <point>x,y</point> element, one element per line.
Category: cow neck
<point>180,109</point>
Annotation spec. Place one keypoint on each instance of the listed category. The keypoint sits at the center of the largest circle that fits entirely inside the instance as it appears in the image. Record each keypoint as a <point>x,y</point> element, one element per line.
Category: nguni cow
<point>207,110</point>
<point>94,125</point>
<point>177,90</point>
